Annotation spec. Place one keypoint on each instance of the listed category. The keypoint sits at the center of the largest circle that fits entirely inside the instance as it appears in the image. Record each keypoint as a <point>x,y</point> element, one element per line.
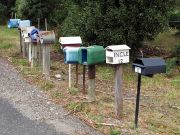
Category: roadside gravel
<point>30,102</point>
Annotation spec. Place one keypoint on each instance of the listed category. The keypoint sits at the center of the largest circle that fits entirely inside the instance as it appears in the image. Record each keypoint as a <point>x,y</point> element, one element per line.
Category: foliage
<point>171,63</point>
<point>34,9</point>
<point>6,7</point>
<point>116,22</point>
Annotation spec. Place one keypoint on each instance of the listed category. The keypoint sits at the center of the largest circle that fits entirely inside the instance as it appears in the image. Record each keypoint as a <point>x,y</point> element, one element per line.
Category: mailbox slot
<point>149,66</point>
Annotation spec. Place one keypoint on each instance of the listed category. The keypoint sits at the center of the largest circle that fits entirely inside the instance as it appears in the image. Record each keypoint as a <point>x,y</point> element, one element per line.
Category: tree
<point>107,22</point>
<point>34,9</point>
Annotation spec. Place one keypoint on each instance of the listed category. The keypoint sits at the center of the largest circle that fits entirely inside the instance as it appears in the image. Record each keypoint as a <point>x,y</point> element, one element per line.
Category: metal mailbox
<point>91,55</point>
<point>71,55</point>
<point>24,23</point>
<point>47,37</point>
<point>149,66</point>
<point>70,41</point>
<point>13,23</point>
<point>117,54</point>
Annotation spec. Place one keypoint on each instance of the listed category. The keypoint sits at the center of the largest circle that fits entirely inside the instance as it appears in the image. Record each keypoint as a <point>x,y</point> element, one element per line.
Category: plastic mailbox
<point>70,41</point>
<point>24,23</point>
<point>117,54</point>
<point>13,23</point>
<point>149,66</point>
<point>34,35</point>
<point>91,55</point>
<point>71,55</point>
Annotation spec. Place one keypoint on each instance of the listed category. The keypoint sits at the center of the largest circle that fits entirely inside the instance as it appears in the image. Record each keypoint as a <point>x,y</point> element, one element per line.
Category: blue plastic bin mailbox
<point>13,23</point>
<point>71,55</point>
<point>34,35</point>
<point>24,23</point>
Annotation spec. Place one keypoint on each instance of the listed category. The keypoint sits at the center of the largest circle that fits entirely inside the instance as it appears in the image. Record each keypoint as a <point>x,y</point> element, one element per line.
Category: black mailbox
<point>149,66</point>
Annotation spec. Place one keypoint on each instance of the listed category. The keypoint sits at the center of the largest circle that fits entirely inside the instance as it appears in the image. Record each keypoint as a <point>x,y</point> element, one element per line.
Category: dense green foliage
<point>107,22</point>
<point>102,22</point>
<point>6,8</point>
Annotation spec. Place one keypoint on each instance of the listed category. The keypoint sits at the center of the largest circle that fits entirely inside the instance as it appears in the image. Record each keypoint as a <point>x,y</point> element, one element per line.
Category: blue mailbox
<point>24,23</point>
<point>13,23</point>
<point>71,55</point>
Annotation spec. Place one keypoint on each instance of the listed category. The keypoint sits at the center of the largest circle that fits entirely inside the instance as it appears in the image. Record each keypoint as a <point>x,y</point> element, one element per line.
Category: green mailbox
<point>91,55</point>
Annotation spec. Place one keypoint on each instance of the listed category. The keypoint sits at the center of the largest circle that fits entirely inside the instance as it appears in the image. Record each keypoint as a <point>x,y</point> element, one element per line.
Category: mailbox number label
<point>137,69</point>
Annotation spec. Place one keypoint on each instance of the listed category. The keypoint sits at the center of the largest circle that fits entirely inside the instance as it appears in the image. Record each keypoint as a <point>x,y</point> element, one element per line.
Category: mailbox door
<point>95,55</point>
<point>82,55</point>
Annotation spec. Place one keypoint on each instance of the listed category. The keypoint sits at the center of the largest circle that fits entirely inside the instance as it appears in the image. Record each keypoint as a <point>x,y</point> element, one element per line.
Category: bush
<point>170,65</point>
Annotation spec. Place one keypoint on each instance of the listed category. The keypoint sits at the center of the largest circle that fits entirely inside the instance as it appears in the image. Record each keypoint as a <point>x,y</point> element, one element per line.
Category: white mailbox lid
<point>118,47</point>
<point>70,40</point>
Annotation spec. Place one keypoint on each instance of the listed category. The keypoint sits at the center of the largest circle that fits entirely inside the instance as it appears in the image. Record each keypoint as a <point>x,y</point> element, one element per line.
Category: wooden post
<point>20,38</point>
<point>15,15</point>
<point>38,23</point>
<point>46,58</point>
<point>46,24</point>
<point>118,91</point>
<point>84,77</point>
<point>91,86</point>
<point>76,75</point>
<point>34,54</point>
<point>30,52</point>
<point>69,75</point>
<point>24,48</point>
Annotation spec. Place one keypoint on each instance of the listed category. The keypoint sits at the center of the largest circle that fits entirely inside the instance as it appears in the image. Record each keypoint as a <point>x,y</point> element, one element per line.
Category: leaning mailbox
<point>117,54</point>
<point>149,66</point>
<point>91,55</point>
<point>47,37</point>
<point>70,41</point>
<point>71,55</point>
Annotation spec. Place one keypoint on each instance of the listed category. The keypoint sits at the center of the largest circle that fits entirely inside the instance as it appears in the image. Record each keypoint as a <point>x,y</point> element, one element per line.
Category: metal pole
<point>137,100</point>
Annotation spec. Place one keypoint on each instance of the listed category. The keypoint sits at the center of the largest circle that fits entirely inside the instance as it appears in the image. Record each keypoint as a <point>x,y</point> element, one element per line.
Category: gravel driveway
<point>24,110</point>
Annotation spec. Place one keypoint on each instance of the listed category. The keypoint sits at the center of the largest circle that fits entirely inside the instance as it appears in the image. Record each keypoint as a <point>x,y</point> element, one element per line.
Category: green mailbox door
<point>91,55</point>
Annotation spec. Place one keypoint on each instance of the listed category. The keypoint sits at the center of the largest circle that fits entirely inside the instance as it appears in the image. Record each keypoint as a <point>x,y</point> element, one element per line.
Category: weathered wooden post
<point>117,55</point>
<point>46,39</point>
<point>70,46</point>
<point>91,56</point>
<point>22,24</point>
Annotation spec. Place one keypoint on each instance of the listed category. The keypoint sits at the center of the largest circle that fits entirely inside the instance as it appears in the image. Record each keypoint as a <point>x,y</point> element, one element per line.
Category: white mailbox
<point>117,54</point>
<point>26,32</point>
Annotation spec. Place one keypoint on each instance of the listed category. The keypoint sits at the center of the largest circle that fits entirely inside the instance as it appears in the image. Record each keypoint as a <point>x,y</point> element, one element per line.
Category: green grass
<point>5,46</point>
<point>47,85</point>
<point>167,40</point>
